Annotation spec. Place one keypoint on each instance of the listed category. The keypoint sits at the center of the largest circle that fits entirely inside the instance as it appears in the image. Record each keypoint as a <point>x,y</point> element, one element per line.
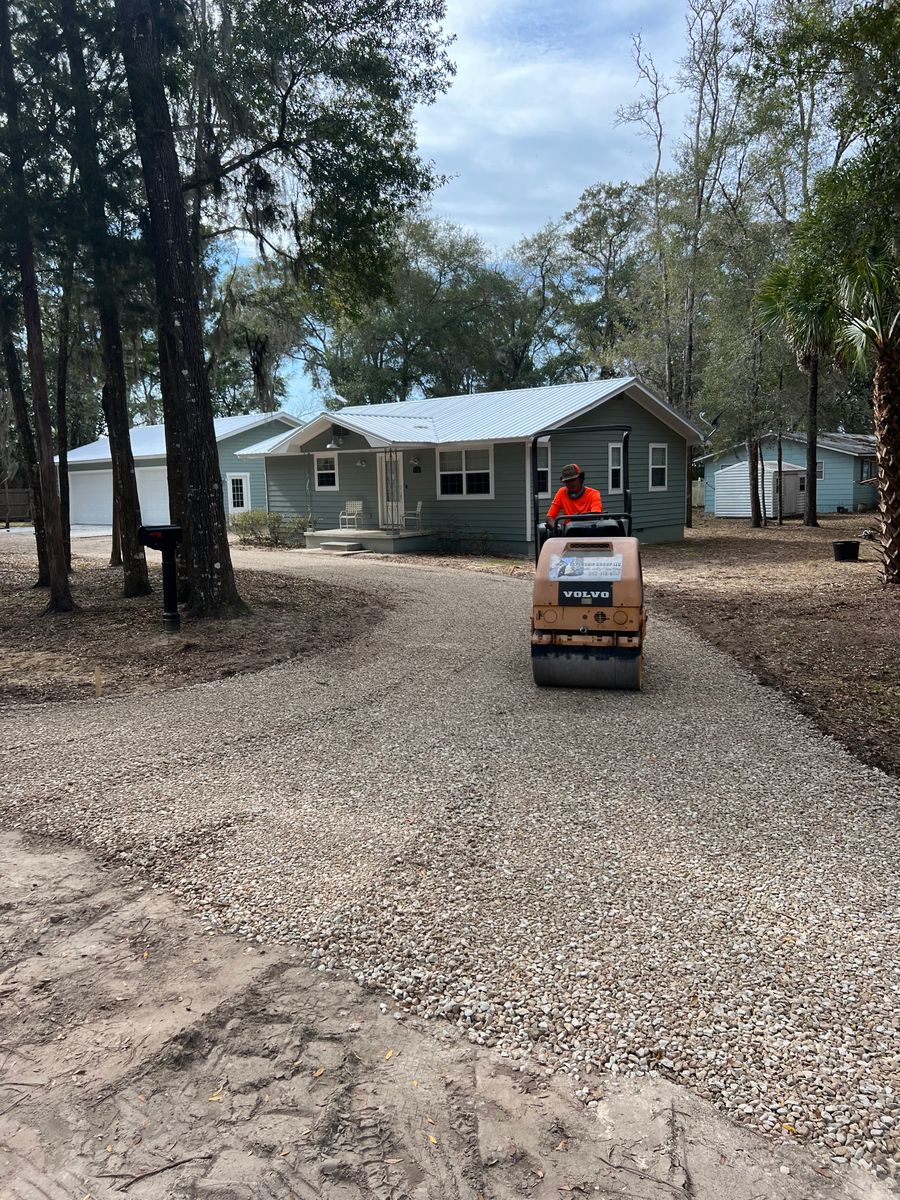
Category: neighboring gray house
<point>843,462</point>
<point>244,482</point>
<point>459,466</point>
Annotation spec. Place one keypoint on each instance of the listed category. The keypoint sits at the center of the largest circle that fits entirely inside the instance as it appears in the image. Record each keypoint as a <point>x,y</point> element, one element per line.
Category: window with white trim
<point>326,469</point>
<point>867,468</point>
<point>543,469</point>
<point>614,473</point>
<point>465,473</point>
<point>820,469</point>
<point>659,467</point>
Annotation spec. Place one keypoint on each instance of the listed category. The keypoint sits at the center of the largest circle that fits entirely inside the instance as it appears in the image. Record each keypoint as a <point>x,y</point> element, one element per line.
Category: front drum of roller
<point>617,670</point>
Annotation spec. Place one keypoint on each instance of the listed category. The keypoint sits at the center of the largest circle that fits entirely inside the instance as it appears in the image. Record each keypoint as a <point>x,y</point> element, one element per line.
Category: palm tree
<point>797,299</point>
<point>869,333</point>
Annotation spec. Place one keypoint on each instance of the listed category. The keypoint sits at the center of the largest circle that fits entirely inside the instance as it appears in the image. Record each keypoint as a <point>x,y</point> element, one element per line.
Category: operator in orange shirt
<point>573,496</point>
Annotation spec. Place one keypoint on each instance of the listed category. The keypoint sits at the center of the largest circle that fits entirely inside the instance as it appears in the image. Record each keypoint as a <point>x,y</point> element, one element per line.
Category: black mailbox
<point>165,538</point>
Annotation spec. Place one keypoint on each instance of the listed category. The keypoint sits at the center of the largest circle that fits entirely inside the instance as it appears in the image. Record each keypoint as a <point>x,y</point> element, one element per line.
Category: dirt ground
<point>57,658</point>
<point>140,1056</point>
<point>826,633</point>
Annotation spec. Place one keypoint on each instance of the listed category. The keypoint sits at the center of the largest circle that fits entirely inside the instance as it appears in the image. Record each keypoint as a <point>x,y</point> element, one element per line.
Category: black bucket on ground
<point>846,551</point>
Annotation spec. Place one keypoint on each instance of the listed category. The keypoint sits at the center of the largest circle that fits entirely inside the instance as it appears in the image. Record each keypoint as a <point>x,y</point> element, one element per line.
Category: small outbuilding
<point>732,495</point>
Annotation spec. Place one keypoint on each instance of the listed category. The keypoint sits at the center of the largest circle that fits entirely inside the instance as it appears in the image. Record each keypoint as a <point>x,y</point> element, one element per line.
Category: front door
<point>390,489</point>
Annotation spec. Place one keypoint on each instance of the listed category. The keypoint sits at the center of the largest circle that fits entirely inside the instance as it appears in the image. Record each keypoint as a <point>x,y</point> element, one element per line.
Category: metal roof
<point>844,443</point>
<point>149,441</point>
<point>769,468</point>
<point>861,444</point>
<point>507,416</point>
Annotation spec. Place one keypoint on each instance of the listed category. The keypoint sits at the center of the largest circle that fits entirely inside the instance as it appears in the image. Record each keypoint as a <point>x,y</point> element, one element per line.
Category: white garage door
<point>153,491</point>
<point>90,497</point>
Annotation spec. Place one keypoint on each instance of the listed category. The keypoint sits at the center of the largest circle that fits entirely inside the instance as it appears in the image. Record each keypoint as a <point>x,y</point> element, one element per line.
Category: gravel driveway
<point>691,880</point>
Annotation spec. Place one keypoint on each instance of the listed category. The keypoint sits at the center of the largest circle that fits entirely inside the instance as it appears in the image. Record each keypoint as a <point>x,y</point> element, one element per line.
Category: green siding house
<point>844,464</point>
<point>243,481</point>
<point>401,476</point>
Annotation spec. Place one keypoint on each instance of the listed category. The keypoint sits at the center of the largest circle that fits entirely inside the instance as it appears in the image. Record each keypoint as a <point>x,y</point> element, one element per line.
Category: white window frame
<point>332,454</point>
<point>244,475</point>
<point>620,446</point>
<point>820,468</point>
<point>657,446</point>
<point>549,492</point>
<point>439,450</point>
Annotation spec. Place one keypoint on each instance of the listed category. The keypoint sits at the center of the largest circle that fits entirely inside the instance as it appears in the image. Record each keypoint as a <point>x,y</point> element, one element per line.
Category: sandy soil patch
<point>140,1057</point>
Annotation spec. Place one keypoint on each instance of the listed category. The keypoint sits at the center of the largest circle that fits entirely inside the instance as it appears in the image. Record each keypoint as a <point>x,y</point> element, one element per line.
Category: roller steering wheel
<point>561,522</point>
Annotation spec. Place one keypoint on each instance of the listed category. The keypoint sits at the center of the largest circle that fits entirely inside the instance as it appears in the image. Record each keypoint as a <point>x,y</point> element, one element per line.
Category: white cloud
<point>530,119</point>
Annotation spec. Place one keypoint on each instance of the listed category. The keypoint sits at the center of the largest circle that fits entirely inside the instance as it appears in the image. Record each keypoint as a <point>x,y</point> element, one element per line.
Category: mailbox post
<point>165,538</point>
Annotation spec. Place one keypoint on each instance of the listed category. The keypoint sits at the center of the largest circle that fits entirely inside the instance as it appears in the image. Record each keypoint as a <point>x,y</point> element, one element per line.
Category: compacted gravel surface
<point>691,881</point>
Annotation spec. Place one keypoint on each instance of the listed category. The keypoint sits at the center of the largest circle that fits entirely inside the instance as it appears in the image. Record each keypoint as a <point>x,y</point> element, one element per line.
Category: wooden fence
<point>15,504</point>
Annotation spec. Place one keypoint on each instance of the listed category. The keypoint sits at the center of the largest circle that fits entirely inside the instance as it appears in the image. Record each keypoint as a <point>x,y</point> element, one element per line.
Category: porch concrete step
<point>342,547</point>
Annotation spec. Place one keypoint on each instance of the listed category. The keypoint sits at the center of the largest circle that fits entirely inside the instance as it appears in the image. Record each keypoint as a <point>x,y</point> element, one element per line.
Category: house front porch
<point>382,541</point>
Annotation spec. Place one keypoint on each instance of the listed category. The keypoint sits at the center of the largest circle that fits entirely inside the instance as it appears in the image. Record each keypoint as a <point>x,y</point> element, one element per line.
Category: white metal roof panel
<point>481,416</point>
<point>484,416</point>
<point>149,441</point>
<point>743,471</point>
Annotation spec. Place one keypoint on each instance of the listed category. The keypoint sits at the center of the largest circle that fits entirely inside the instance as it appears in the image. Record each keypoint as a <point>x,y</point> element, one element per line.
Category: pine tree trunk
<point>115,545</point>
<point>687,366</point>
<point>812,443</point>
<point>886,401</point>
<point>62,384</point>
<point>60,592</point>
<point>115,389</point>
<point>213,589</point>
<point>753,471</point>
<point>26,440</point>
<point>173,468</point>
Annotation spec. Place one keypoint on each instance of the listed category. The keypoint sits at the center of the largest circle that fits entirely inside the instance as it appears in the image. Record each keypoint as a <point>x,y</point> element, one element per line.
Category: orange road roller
<point>587,617</point>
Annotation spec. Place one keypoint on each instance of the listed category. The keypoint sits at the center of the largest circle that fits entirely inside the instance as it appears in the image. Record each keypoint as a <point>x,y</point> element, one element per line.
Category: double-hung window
<point>659,467</point>
<point>465,473</point>
<point>543,469</point>
<point>326,468</point>
<point>820,469</point>
<point>614,474</point>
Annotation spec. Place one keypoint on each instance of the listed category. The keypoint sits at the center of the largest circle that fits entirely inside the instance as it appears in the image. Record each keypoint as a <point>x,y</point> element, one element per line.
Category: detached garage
<point>244,484</point>
<point>732,489</point>
<point>91,492</point>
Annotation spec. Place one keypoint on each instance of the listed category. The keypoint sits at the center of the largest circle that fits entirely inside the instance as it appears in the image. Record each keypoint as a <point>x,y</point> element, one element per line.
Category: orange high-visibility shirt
<point>589,501</point>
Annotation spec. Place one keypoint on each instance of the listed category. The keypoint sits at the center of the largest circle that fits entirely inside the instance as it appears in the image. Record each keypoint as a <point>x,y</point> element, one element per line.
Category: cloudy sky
<point>530,118</point>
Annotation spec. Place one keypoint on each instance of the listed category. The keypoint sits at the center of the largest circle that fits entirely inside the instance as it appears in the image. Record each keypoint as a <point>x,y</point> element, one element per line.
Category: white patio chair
<point>352,516</point>
<point>412,520</point>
